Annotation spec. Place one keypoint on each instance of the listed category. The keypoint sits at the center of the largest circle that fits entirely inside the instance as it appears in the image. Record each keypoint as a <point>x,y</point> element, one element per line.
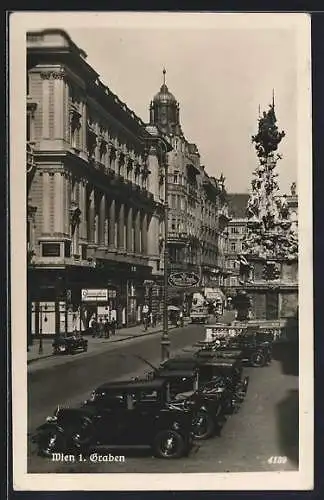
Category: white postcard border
<point>20,23</point>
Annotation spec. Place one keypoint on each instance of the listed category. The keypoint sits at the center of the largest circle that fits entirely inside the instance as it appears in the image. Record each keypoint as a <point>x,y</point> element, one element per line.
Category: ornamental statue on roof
<point>269,235</point>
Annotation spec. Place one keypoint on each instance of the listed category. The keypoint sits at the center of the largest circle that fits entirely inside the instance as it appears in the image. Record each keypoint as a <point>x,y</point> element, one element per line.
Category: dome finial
<point>164,72</point>
<point>273,98</point>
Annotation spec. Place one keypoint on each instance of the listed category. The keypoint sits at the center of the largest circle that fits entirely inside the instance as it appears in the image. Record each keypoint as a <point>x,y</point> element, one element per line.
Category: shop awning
<point>176,290</point>
<point>214,294</point>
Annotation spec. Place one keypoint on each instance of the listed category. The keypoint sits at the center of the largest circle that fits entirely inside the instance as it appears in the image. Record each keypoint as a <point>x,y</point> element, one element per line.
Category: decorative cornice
<point>53,75</point>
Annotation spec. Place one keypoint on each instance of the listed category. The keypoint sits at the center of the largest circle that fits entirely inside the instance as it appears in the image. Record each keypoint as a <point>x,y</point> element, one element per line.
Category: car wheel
<point>51,441</point>
<point>203,426</point>
<point>258,359</point>
<point>169,444</point>
<point>83,437</point>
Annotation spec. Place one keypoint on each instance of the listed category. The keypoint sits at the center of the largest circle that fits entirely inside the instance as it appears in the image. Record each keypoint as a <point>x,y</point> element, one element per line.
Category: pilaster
<point>46,202</point>
<point>121,223</point>
<point>58,202</point>
<point>112,220</point>
<point>138,232</point>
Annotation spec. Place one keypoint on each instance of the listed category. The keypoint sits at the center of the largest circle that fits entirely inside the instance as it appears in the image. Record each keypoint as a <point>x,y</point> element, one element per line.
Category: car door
<point>110,423</point>
<point>140,416</point>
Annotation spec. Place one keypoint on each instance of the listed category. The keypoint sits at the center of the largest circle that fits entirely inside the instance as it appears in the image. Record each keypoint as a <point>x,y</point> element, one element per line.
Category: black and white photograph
<point>161,251</point>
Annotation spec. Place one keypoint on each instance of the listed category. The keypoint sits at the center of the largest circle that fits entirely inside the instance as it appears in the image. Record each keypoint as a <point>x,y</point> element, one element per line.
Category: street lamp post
<point>165,342</point>
<point>163,147</point>
<point>40,347</point>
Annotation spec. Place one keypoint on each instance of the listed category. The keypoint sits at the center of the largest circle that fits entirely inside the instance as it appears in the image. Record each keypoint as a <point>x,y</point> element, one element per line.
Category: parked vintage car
<point>212,387</point>
<point>69,344</point>
<point>255,352</point>
<point>126,413</point>
<point>255,346</point>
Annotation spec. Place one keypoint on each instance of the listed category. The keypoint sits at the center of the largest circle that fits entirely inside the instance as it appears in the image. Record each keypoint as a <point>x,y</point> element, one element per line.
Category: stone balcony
<point>30,160</point>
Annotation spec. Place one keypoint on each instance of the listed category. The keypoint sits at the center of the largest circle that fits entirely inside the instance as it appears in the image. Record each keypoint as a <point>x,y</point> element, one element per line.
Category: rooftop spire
<point>164,72</point>
<point>273,98</point>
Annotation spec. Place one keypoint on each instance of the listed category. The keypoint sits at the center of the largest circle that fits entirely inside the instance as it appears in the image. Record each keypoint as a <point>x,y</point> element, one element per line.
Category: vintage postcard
<point>161,251</point>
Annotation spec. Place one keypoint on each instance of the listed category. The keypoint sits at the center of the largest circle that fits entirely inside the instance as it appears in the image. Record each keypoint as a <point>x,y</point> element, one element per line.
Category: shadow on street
<point>287,353</point>
<point>288,426</point>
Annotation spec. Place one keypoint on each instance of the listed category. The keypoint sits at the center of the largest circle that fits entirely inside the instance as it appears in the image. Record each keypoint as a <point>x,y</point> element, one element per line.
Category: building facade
<point>237,227</point>
<point>95,193</point>
<point>197,206</point>
<point>237,231</point>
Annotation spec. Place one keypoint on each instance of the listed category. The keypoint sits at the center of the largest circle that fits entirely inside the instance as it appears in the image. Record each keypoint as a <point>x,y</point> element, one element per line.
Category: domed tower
<point>164,110</point>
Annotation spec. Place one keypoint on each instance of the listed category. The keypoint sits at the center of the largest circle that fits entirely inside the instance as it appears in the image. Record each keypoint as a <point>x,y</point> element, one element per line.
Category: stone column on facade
<point>84,127</point>
<point>91,217</point>
<point>59,87</point>
<point>138,232</point>
<point>106,225</point>
<point>121,223</point>
<point>144,235</point>
<point>59,202</point>
<point>46,203</point>
<point>46,109</point>
<point>129,230</point>
<point>67,200</point>
<point>154,176</point>
<point>102,220</point>
<point>112,219</point>
<point>96,224</point>
<point>153,237</point>
<point>83,208</point>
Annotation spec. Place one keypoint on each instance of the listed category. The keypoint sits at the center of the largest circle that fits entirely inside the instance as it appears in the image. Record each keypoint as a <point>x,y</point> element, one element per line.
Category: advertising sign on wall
<point>183,279</point>
<point>94,295</point>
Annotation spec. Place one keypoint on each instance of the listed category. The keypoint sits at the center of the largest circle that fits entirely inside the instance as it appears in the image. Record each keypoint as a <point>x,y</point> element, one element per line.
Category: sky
<point>220,77</point>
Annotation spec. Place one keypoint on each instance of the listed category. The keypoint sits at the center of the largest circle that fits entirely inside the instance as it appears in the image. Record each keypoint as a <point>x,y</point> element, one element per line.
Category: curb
<point>30,361</point>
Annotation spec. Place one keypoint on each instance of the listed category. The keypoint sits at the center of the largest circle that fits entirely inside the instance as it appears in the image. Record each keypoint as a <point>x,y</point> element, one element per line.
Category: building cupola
<point>164,110</point>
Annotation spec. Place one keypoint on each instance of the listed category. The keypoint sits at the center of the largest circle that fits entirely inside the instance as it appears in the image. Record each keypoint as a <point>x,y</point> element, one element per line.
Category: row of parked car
<point>185,399</point>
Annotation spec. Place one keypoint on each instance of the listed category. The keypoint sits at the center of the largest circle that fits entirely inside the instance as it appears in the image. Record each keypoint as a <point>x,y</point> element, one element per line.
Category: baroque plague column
<point>269,263</point>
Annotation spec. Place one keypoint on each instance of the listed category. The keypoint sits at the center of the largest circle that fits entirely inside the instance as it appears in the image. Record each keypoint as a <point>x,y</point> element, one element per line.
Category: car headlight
<point>92,396</point>
<point>176,426</point>
<point>51,419</point>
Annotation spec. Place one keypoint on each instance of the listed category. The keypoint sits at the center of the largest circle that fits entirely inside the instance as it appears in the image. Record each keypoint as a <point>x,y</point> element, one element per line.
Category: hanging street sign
<point>183,279</point>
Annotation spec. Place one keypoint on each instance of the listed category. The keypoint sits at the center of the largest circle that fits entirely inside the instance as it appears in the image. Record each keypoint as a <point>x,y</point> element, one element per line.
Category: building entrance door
<point>272,305</point>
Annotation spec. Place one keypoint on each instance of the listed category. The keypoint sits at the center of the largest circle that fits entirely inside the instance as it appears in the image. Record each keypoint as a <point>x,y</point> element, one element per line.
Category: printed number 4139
<point>277,460</point>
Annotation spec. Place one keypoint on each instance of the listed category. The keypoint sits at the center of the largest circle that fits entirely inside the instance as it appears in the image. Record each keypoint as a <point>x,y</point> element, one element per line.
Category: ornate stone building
<point>237,227</point>
<point>95,192</point>
<point>237,231</point>
<point>197,202</point>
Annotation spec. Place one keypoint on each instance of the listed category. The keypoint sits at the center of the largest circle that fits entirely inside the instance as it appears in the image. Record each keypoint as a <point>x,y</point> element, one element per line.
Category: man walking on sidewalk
<point>106,328</point>
<point>93,326</point>
<point>113,321</point>
<point>145,316</point>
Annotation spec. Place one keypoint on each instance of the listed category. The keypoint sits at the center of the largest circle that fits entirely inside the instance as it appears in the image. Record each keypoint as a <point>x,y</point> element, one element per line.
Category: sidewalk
<point>33,354</point>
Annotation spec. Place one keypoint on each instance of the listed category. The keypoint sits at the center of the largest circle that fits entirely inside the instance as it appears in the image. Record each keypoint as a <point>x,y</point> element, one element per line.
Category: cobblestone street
<point>265,428</point>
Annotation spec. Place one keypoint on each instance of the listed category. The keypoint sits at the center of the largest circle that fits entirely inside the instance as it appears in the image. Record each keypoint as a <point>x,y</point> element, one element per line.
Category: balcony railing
<point>30,160</point>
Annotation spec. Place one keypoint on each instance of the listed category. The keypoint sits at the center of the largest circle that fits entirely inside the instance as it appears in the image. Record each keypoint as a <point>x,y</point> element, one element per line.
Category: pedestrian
<point>106,328</point>
<point>113,321</point>
<point>101,328</point>
<point>181,317</point>
<point>93,327</point>
<point>145,311</point>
